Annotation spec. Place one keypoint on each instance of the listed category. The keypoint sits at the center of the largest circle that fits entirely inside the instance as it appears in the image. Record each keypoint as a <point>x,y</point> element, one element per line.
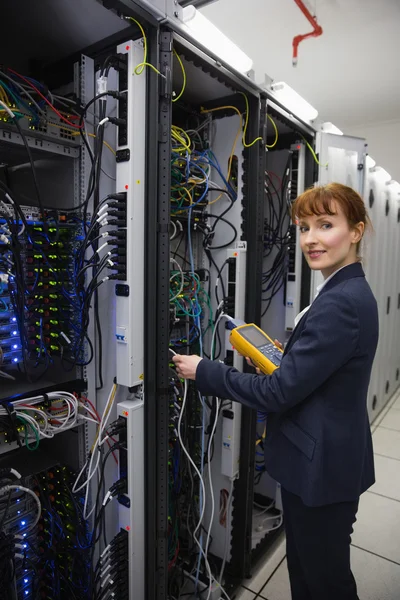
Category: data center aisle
<point>376,538</point>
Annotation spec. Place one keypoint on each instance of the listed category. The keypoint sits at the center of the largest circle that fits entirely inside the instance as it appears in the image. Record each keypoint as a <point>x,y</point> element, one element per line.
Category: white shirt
<point>319,288</point>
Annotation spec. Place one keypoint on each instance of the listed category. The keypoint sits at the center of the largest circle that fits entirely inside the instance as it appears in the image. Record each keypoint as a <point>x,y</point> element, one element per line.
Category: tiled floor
<point>375,552</point>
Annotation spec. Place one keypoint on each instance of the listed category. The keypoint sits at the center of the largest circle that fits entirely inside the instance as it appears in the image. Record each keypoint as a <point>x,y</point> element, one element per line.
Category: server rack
<point>157,544</point>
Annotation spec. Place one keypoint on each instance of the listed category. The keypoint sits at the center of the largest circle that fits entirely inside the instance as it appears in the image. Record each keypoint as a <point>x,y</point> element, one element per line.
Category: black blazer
<point>318,442</point>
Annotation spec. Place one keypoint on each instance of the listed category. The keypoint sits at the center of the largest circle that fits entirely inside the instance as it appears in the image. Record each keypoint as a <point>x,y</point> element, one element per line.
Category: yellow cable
<point>276,132</point>
<point>3,96</point>
<point>234,143</point>
<point>246,124</point>
<point>138,70</point>
<point>262,437</point>
<point>313,153</point>
<point>229,164</point>
<point>107,410</point>
<point>182,138</point>
<point>73,132</point>
<point>184,77</point>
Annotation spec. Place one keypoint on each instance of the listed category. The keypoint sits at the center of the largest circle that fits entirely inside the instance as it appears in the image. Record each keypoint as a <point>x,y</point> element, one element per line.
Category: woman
<point>318,444</point>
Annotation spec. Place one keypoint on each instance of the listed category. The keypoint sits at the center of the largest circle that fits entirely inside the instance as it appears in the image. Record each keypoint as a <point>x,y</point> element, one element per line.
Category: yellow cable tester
<point>251,341</point>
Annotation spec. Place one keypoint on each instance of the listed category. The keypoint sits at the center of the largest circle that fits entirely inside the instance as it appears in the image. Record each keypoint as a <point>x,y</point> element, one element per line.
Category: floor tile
<point>387,442</point>
<point>394,397</point>
<point>377,578</point>
<point>392,419</point>
<point>396,403</point>
<point>378,526</point>
<point>243,594</point>
<point>269,563</point>
<point>278,588</point>
<point>387,471</point>
<point>379,418</point>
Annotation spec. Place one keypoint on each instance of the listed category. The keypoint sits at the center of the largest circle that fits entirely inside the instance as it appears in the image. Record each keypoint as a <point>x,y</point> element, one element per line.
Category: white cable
<point>259,534</point>
<point>173,236</point>
<point>6,376</point>
<point>175,275</point>
<point>199,476</point>
<point>218,401</point>
<point>7,109</point>
<point>228,531</point>
<point>21,488</point>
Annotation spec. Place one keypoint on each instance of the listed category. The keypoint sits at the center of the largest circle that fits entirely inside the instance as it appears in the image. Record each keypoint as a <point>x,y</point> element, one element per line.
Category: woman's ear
<point>358,232</point>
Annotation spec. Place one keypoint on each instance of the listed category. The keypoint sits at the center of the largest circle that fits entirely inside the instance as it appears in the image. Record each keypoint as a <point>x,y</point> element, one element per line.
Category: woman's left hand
<point>186,366</point>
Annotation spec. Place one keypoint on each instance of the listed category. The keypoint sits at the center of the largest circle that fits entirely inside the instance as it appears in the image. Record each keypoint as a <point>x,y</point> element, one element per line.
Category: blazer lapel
<point>296,332</point>
<point>353,270</point>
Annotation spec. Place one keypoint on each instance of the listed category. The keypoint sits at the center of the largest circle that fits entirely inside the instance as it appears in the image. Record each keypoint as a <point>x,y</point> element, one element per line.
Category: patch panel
<point>49,562</point>
<point>46,323</point>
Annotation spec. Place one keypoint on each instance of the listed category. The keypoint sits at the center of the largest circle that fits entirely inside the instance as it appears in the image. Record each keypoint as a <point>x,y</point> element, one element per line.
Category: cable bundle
<point>112,570</point>
<point>33,419</point>
<point>193,419</point>
<point>276,233</point>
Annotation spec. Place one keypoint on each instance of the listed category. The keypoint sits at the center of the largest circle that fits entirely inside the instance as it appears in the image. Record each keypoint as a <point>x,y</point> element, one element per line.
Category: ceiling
<point>58,29</point>
<point>351,74</point>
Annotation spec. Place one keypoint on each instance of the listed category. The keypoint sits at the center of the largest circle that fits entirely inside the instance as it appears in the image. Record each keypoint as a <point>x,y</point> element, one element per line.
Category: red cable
<point>98,416</point>
<point>278,178</point>
<point>45,99</point>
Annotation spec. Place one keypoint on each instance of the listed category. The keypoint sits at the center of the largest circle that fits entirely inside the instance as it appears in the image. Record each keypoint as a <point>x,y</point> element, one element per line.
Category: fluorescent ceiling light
<point>209,36</point>
<point>369,162</point>
<point>329,127</point>
<point>294,102</point>
<point>394,186</point>
<point>381,172</point>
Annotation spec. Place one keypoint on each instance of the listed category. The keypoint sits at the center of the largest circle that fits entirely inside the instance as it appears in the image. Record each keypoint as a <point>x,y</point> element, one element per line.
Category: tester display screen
<point>252,335</point>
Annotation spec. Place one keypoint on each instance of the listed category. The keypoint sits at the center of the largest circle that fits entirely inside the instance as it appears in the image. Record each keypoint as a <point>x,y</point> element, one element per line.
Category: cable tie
<point>102,83</point>
<point>101,247</point>
<point>65,337</point>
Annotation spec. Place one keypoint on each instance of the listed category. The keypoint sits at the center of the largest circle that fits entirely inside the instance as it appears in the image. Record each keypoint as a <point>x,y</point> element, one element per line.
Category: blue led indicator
<point>23,522</point>
<point>15,360</point>
<point>26,580</point>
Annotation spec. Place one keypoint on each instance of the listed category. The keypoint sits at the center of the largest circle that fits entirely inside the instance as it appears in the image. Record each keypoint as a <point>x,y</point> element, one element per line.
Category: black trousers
<point>318,549</point>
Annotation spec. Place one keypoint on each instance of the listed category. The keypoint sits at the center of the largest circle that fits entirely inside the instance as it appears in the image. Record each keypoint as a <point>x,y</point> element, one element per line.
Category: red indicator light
<point>127,187</point>
<point>298,147</point>
<point>127,528</point>
<point>127,47</point>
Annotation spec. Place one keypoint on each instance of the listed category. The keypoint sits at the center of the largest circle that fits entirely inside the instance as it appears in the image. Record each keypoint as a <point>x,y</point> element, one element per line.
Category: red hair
<point>319,201</point>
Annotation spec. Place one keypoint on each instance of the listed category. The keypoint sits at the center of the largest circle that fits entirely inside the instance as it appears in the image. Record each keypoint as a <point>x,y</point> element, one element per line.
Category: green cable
<point>26,425</point>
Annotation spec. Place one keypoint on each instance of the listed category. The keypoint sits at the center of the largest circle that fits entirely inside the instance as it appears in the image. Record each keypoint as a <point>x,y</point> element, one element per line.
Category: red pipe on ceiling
<point>299,38</point>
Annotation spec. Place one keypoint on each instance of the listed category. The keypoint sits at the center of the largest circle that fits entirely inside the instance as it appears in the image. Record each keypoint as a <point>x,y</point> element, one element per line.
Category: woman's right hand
<point>251,364</point>
<point>279,345</point>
